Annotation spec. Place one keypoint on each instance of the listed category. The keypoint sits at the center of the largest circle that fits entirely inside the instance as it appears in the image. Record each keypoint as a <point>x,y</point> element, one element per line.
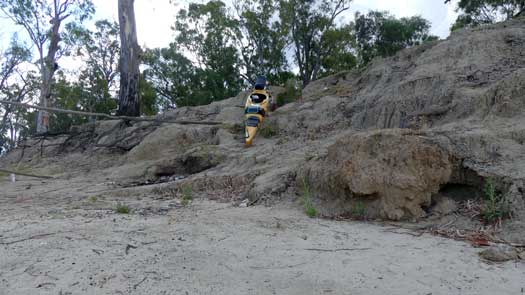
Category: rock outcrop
<point>434,119</point>
<point>391,173</point>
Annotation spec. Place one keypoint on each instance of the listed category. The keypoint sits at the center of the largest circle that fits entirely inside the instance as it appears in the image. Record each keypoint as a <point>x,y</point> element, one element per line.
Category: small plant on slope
<point>187,195</point>
<point>495,206</point>
<point>122,209</point>
<point>358,210</point>
<point>307,200</point>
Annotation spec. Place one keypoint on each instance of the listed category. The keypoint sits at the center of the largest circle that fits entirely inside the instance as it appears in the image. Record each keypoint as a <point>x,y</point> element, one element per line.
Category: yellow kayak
<point>256,108</point>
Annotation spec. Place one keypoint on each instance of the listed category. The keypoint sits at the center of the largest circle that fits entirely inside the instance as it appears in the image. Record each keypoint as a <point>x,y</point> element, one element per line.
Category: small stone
<point>444,206</point>
<point>500,253</point>
<point>521,255</point>
<point>244,203</point>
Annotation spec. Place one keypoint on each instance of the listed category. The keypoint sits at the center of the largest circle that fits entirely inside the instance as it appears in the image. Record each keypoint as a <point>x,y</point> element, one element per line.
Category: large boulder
<point>390,174</point>
<point>171,140</point>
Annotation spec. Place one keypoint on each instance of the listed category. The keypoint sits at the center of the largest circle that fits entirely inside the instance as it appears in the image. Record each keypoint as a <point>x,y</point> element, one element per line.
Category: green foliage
<point>122,209</point>
<point>358,210</point>
<point>341,56</point>
<point>11,118</point>
<point>68,96</point>
<point>172,76</point>
<point>27,129</point>
<point>270,129</point>
<point>90,94</point>
<point>478,12</point>
<point>311,211</point>
<point>262,40</point>
<point>380,34</point>
<point>148,97</point>
<point>292,92</point>
<point>309,208</point>
<point>495,206</point>
<point>101,49</point>
<point>281,78</point>
<point>43,21</point>
<point>95,89</point>
<point>208,31</point>
<point>254,41</point>
<point>33,13</point>
<point>314,34</point>
<point>187,195</point>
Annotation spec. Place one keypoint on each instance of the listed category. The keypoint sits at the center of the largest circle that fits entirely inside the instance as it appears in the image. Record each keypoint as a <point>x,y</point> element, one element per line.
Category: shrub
<point>291,93</point>
<point>495,205</point>
<point>122,209</point>
<point>270,129</point>
<point>358,210</point>
<point>187,195</point>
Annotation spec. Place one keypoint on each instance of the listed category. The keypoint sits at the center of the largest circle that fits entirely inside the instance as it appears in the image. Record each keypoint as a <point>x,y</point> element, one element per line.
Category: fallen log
<point>25,174</point>
<point>107,116</point>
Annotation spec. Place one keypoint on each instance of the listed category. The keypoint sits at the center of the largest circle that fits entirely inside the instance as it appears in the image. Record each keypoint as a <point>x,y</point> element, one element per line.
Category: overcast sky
<point>155,17</point>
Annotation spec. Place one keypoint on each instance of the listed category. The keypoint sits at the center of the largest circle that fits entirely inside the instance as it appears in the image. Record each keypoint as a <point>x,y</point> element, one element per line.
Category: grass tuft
<point>269,130</point>
<point>309,208</point>
<point>122,209</point>
<point>187,195</point>
<point>359,210</point>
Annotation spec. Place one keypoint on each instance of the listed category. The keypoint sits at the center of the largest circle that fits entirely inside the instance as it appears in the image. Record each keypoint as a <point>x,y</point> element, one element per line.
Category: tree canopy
<point>43,22</point>
<point>479,12</point>
<point>380,34</point>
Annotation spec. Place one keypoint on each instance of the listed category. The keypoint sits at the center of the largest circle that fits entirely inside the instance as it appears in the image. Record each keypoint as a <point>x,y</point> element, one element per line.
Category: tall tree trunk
<point>48,70</point>
<point>129,104</point>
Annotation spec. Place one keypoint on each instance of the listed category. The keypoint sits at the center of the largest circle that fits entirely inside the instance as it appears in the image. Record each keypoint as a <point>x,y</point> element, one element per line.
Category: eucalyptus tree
<point>129,103</point>
<point>314,32</point>
<point>15,85</point>
<point>208,32</point>
<point>43,21</point>
<point>478,12</point>
<point>380,34</point>
<point>100,52</point>
<point>261,39</point>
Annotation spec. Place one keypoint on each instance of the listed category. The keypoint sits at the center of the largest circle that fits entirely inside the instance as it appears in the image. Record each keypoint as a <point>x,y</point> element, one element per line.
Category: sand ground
<point>57,237</point>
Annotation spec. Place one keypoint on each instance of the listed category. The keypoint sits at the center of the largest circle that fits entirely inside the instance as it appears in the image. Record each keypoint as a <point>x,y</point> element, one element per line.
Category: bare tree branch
<point>138,119</point>
<point>25,174</point>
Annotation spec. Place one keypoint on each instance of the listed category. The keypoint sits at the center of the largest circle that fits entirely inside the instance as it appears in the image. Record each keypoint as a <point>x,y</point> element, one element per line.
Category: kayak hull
<point>253,122</point>
<point>256,108</point>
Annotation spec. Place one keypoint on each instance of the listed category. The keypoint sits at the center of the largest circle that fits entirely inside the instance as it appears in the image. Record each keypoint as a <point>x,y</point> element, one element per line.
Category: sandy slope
<point>78,245</point>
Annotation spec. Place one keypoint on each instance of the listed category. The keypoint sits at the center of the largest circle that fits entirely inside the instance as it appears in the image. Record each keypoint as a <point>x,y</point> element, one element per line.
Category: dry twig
<point>337,250</point>
<point>26,239</point>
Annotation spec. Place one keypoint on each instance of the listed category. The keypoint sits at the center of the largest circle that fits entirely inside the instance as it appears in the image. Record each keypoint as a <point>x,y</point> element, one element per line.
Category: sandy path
<point>213,248</point>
